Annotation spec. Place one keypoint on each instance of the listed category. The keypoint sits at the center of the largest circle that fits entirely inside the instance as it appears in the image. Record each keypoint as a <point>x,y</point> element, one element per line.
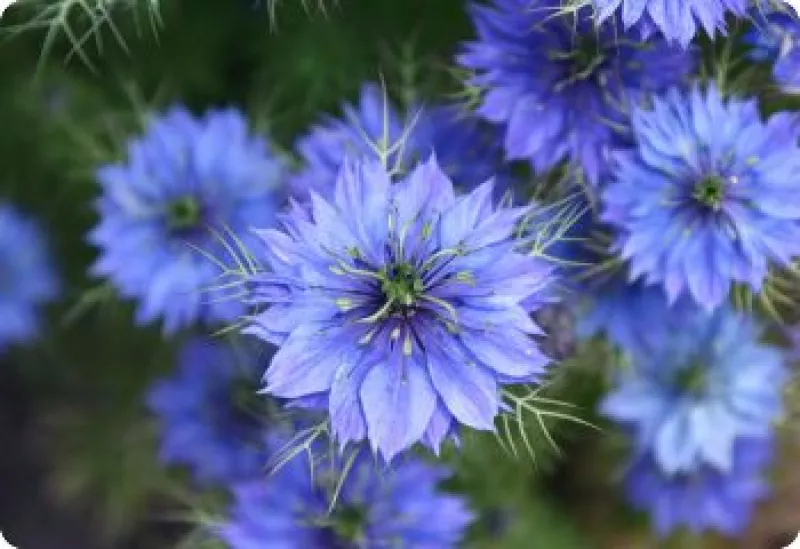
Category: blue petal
<point>466,388</point>
<point>398,402</point>
<point>347,415</point>
<point>675,448</point>
<point>510,353</point>
<point>439,427</point>
<point>305,364</point>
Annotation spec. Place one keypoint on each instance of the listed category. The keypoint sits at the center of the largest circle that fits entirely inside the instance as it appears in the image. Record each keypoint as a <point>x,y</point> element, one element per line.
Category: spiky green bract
<point>82,22</point>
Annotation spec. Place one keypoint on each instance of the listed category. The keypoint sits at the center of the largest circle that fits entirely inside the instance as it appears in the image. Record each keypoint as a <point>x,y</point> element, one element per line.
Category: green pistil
<point>710,192</point>
<point>587,55</point>
<point>349,522</point>
<point>184,213</point>
<point>401,284</point>
<point>692,380</point>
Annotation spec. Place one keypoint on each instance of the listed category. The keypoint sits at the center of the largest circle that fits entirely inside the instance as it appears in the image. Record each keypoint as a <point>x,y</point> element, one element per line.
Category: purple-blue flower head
<point>677,20</point>
<point>691,390</point>
<point>212,419</point>
<point>167,214</point>
<point>379,509</point>
<point>560,86</point>
<point>27,276</point>
<point>708,195</point>
<point>401,306</point>
<point>468,150</point>
<point>706,499</point>
<point>775,38</point>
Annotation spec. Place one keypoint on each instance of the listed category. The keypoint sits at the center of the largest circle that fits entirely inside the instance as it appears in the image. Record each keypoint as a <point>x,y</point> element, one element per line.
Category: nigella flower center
<point>401,285</point>
<point>349,522</point>
<point>692,380</point>
<point>184,214</point>
<point>710,192</point>
<point>583,60</point>
<point>588,56</point>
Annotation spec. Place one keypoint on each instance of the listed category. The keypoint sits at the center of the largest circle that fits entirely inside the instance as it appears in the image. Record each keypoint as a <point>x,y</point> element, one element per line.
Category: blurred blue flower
<point>376,508</point>
<point>708,195</point>
<point>706,499</point>
<point>211,417</point>
<point>775,38</point>
<point>401,306</point>
<point>678,20</point>
<point>167,214</point>
<point>615,308</point>
<point>560,86</point>
<point>695,387</point>
<point>27,277</point>
<point>468,151</point>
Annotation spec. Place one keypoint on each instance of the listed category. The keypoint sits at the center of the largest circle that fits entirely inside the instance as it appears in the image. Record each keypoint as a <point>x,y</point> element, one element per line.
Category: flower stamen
<point>710,192</point>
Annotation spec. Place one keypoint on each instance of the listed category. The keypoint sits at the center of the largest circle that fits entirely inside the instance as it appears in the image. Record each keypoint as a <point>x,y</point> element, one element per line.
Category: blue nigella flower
<point>400,507</point>
<point>401,307</point>
<point>27,277</point>
<point>775,38</point>
<point>707,197</point>
<point>212,418</point>
<point>697,385</point>
<point>559,85</point>
<point>677,20</point>
<point>166,215</point>
<point>467,149</point>
<point>706,499</point>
